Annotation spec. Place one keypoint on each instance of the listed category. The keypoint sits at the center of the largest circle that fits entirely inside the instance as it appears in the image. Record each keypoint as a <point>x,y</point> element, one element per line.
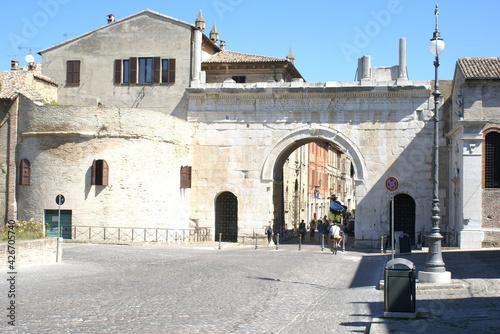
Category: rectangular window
<point>25,169</point>
<point>73,72</point>
<point>100,173</point>
<point>240,78</point>
<point>185,177</point>
<point>145,70</point>
<point>126,71</point>
<point>164,70</point>
<point>168,71</point>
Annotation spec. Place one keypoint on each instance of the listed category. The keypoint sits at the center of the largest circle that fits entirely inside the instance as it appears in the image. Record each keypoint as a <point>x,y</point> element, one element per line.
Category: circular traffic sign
<point>60,199</point>
<point>392,183</point>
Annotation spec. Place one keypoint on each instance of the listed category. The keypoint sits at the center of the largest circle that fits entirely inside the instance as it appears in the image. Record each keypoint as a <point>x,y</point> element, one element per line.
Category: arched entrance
<point>404,215</point>
<point>273,166</point>
<point>226,217</point>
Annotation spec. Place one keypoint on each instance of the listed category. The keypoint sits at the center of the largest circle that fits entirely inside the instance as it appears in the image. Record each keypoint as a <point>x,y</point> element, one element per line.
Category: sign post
<point>60,201</point>
<point>392,185</point>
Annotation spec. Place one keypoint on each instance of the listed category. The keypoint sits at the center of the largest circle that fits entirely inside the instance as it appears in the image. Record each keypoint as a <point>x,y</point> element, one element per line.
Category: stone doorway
<point>226,217</point>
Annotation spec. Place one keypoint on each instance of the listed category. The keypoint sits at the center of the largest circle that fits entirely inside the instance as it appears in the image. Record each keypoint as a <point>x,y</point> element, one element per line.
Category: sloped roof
<point>145,11</point>
<point>480,68</point>
<point>225,56</point>
<point>18,82</point>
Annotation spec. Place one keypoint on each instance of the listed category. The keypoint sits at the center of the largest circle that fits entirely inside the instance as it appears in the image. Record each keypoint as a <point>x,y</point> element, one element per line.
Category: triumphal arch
<point>243,133</point>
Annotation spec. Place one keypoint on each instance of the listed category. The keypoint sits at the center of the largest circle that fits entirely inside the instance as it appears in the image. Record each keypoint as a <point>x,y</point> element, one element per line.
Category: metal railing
<point>140,234</point>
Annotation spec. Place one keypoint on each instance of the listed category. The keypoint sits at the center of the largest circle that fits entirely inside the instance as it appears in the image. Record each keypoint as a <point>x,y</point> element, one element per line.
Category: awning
<point>334,205</point>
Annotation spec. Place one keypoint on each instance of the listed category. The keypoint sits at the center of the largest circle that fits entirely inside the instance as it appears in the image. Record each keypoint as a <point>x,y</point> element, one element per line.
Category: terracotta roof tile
<point>225,56</point>
<point>20,82</point>
<point>480,68</point>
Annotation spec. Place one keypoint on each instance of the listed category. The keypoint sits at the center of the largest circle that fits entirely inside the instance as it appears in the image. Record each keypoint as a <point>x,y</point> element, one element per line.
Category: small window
<point>25,173</point>
<point>186,177</point>
<point>240,78</point>
<point>100,172</point>
<point>168,71</point>
<point>73,72</point>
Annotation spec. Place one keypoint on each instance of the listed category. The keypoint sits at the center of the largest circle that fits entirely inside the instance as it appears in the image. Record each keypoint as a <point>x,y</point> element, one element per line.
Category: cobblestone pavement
<point>199,289</point>
<point>470,304</point>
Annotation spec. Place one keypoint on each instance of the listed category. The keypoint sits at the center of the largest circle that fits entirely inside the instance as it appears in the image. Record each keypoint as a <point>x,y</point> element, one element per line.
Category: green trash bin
<point>399,288</point>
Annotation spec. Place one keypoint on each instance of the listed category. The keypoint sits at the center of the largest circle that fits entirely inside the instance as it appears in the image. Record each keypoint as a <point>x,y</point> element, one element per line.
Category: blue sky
<point>326,36</point>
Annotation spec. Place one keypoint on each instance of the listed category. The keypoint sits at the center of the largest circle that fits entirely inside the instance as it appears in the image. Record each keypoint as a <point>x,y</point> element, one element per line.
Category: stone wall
<point>144,150</point>
<point>31,252</point>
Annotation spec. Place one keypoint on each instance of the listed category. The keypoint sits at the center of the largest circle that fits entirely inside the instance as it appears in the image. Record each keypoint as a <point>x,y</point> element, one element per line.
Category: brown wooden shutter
<point>156,69</point>
<point>133,70</point>
<point>73,72</point>
<point>25,171</point>
<point>69,72</point>
<point>171,71</point>
<point>92,174</point>
<point>186,177</point>
<point>105,173</point>
<point>100,173</point>
<point>118,71</point>
<point>76,72</point>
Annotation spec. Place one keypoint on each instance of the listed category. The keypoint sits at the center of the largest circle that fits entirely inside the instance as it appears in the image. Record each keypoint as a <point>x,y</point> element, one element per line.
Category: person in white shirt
<point>335,236</point>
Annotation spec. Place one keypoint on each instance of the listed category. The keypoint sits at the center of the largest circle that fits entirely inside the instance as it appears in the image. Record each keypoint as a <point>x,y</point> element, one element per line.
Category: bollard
<point>59,250</point>
<point>277,241</point>
<point>382,244</point>
<point>343,241</point>
<point>300,241</point>
<point>220,237</point>
<point>256,246</point>
<point>322,242</point>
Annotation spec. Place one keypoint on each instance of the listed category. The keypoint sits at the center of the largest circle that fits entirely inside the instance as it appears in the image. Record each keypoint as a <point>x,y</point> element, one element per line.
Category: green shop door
<point>51,217</point>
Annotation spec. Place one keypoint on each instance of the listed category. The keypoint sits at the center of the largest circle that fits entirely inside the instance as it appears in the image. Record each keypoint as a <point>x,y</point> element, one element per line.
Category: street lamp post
<point>434,270</point>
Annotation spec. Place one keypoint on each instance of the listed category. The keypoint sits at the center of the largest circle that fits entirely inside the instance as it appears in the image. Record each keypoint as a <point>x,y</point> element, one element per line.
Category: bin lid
<point>399,260</point>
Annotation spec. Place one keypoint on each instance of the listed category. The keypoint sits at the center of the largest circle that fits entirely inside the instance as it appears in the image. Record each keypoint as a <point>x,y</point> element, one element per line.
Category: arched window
<point>492,160</point>
<point>100,172</point>
<point>24,173</point>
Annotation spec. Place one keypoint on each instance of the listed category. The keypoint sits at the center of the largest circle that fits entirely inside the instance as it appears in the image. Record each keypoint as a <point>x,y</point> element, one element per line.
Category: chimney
<point>222,44</point>
<point>14,65</point>
<point>110,18</point>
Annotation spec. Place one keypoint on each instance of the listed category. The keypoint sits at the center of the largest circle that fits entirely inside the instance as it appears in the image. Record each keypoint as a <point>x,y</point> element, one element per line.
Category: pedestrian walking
<point>312,229</point>
<point>302,229</point>
<point>269,231</point>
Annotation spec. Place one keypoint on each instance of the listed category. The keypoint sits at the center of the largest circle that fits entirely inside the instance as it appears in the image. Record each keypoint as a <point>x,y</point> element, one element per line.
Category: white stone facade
<point>242,137</point>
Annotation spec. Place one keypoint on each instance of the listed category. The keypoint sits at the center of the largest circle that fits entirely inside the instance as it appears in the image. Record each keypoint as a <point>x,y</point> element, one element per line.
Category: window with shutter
<point>185,177</point>
<point>156,69</point>
<point>145,70</point>
<point>25,173</point>
<point>133,70</point>
<point>171,71</point>
<point>73,72</point>
<point>100,173</point>
<point>118,71</point>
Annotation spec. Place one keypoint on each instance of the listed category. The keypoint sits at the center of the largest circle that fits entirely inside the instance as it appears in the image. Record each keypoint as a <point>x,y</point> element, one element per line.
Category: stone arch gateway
<point>242,133</point>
